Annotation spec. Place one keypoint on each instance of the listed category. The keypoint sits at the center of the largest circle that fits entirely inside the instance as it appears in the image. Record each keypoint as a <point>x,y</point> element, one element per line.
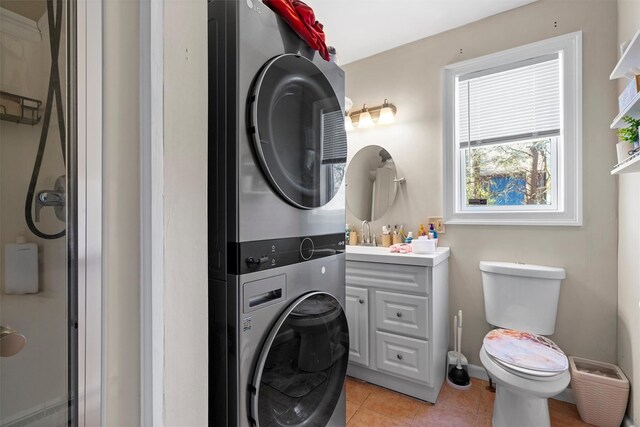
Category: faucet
<point>366,238</point>
<point>55,198</point>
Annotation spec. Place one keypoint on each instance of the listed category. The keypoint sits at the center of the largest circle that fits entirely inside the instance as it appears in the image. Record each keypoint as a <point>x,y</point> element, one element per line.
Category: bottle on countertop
<point>409,237</point>
<point>353,238</point>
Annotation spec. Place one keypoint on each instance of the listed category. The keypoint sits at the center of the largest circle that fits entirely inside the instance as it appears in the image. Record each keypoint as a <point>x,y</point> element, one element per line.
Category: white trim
<point>18,26</point>
<point>37,413</point>
<point>627,422</point>
<point>569,212</point>
<point>91,347</point>
<point>478,372</point>
<point>151,213</point>
<point>565,395</point>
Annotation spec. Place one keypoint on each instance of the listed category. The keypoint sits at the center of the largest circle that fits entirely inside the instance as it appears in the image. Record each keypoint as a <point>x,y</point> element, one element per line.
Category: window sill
<point>557,222</point>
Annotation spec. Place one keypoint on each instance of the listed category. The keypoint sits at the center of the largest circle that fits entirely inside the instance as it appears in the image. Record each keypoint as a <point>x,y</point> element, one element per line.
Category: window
<point>512,136</point>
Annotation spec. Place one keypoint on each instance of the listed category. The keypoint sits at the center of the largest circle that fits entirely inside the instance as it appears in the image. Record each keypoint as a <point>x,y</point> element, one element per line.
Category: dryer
<point>277,141</point>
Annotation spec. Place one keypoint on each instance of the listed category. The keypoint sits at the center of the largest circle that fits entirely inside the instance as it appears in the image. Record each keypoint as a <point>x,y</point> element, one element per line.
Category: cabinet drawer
<point>403,314</point>
<point>403,356</point>
<point>404,278</point>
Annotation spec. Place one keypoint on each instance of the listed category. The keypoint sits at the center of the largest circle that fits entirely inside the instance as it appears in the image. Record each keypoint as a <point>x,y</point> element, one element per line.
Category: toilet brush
<point>458,377</point>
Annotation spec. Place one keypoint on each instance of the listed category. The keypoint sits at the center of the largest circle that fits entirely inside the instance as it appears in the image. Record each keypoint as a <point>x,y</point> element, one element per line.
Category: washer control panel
<point>248,257</point>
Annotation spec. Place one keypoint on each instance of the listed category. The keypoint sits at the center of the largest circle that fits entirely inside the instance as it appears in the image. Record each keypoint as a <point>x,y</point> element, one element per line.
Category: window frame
<point>569,146</point>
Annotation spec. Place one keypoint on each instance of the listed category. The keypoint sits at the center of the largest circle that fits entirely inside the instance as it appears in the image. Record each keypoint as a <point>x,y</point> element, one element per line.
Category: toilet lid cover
<point>526,350</point>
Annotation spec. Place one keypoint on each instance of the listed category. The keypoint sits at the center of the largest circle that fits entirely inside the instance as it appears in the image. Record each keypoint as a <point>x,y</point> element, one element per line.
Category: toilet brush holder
<point>458,380</point>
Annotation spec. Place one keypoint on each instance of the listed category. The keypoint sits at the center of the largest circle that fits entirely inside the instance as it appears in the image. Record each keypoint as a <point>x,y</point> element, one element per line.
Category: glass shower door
<point>38,327</point>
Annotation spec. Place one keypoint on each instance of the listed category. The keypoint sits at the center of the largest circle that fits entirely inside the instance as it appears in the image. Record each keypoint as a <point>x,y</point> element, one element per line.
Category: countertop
<point>382,255</point>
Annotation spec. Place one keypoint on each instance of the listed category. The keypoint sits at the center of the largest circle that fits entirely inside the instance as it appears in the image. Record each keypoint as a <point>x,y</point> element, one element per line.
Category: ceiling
<point>32,9</point>
<point>361,28</point>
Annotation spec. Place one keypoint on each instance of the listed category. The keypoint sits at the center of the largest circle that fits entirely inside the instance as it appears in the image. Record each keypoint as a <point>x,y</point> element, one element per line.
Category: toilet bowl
<point>521,398</point>
<point>311,322</point>
<point>527,367</point>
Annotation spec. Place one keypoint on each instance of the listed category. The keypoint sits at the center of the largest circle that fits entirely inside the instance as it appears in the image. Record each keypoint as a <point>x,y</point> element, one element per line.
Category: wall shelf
<point>628,67</point>
<point>629,64</point>
<point>630,165</point>
<point>633,110</point>
<point>19,109</point>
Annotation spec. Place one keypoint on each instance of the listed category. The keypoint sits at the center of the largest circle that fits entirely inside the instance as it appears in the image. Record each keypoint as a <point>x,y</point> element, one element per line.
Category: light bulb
<point>348,123</point>
<point>386,114</point>
<point>365,119</point>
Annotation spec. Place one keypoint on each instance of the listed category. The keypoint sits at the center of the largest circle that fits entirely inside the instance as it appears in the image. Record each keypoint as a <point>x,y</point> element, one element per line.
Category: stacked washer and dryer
<point>278,336</point>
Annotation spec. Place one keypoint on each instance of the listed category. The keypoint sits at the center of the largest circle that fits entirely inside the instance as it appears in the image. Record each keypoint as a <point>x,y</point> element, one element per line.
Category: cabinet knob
<point>399,357</point>
<point>399,314</point>
<point>361,301</point>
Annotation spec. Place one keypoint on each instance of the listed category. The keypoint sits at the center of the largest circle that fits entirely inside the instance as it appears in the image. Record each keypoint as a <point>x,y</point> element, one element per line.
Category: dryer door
<point>302,367</point>
<point>297,127</point>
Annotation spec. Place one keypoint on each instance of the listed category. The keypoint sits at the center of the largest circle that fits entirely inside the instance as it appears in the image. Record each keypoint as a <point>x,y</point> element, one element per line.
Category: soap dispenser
<point>21,267</point>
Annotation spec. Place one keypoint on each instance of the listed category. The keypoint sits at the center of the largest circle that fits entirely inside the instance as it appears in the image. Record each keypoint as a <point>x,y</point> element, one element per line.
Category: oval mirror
<point>372,183</point>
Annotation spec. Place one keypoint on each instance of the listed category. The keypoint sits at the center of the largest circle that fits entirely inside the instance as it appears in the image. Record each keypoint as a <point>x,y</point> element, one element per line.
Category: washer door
<point>302,367</point>
<point>297,126</point>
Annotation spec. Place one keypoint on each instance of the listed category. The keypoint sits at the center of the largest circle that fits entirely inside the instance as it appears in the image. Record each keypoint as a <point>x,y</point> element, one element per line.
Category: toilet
<point>521,300</point>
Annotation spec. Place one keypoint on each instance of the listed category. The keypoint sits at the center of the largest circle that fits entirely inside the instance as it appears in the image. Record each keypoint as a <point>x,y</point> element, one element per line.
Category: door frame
<point>151,213</point>
<point>90,373</point>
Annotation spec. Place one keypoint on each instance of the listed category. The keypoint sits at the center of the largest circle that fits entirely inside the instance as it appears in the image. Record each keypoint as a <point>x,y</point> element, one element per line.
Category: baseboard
<point>33,415</point>
<point>566,396</point>
<point>627,422</point>
<point>476,371</point>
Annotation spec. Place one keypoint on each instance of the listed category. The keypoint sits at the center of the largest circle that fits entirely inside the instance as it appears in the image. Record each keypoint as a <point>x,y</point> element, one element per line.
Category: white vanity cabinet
<point>397,309</point>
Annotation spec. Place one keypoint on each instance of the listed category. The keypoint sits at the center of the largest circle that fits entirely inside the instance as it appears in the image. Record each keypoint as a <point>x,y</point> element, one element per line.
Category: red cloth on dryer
<point>303,21</point>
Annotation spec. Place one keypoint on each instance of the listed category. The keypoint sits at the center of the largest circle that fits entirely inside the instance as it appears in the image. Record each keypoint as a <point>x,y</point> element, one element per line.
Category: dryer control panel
<point>249,257</point>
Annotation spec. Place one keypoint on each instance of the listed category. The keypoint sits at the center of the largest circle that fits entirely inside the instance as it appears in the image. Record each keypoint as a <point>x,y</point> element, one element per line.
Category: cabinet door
<point>357,309</point>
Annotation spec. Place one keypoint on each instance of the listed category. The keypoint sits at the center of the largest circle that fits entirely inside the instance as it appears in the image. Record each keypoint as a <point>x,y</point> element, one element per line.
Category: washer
<point>281,338</point>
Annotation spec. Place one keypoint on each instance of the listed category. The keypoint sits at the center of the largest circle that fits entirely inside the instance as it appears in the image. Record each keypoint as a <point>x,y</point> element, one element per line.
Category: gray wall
<point>121,212</point>
<point>185,212</point>
<point>629,244</point>
<point>410,77</point>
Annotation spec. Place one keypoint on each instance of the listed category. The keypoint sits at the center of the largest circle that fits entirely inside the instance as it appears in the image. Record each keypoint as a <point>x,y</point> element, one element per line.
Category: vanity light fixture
<point>367,117</point>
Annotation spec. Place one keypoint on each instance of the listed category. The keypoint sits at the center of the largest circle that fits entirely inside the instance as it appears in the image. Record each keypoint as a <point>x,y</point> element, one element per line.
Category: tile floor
<point>371,406</point>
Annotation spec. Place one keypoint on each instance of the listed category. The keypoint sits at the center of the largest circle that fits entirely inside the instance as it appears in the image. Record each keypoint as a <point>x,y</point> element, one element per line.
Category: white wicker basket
<point>601,391</point>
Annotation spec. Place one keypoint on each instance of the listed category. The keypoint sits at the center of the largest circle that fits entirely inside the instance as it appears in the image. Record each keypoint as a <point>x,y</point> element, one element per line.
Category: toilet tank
<point>521,296</point>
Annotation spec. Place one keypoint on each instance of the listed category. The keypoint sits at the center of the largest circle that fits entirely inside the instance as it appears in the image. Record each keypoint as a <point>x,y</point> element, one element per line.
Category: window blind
<point>517,102</point>
<point>334,138</point>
